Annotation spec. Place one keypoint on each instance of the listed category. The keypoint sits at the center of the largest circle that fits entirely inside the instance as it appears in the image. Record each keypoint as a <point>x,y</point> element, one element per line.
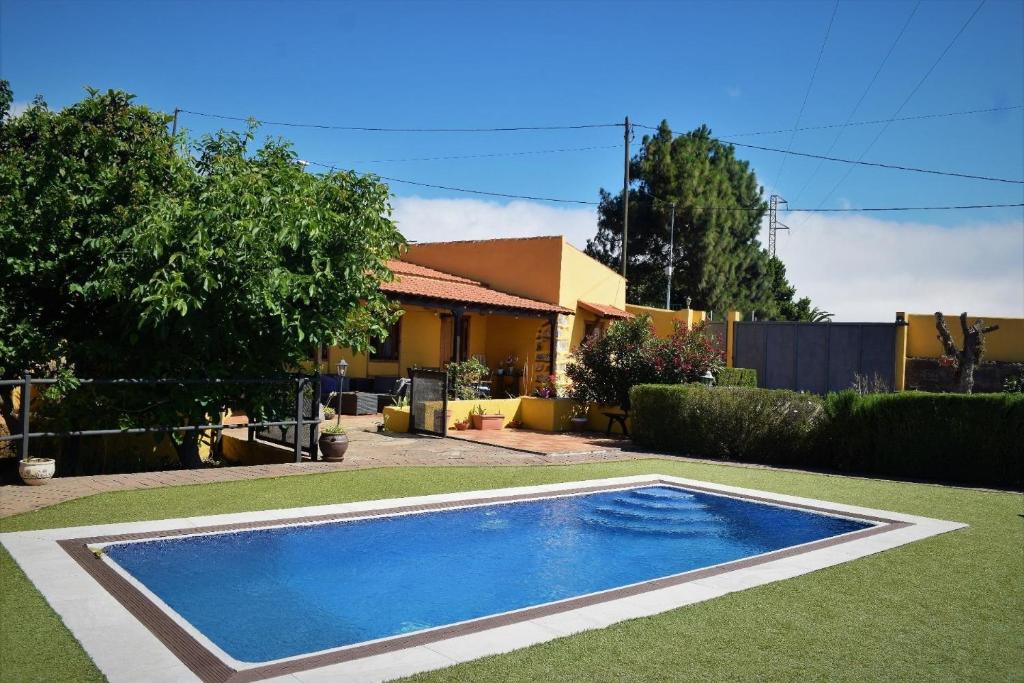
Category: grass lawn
<point>946,608</point>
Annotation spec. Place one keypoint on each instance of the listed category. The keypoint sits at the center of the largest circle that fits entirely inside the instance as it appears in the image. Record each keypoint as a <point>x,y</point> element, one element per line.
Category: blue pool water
<point>265,594</point>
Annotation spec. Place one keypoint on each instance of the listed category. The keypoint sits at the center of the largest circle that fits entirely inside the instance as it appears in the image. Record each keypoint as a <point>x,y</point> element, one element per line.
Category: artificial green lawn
<point>947,608</point>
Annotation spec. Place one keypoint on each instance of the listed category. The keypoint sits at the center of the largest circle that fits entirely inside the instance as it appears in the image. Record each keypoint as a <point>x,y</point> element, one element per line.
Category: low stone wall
<point>926,374</point>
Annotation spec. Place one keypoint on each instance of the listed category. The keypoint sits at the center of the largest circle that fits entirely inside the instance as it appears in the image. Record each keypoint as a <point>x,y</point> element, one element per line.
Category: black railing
<point>301,420</point>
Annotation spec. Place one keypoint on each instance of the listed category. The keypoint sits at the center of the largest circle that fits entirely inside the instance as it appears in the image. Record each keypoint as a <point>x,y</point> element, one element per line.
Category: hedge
<point>972,439</point>
<point>975,440</point>
<point>736,377</point>
<point>732,423</point>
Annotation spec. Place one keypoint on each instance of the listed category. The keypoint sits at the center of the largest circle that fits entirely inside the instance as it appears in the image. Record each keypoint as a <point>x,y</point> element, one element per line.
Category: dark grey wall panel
<point>815,357</point>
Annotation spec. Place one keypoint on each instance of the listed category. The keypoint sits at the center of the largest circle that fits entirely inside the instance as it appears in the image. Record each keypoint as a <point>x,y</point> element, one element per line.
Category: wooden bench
<point>616,417</point>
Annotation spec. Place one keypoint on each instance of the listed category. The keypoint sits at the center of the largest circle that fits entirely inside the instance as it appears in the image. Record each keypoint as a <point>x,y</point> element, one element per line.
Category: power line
<point>377,129</point>
<point>860,100</point>
<point>906,100</point>
<point>563,200</point>
<point>487,155</point>
<point>910,208</point>
<point>851,124</point>
<point>859,162</point>
<point>807,93</point>
<point>463,189</point>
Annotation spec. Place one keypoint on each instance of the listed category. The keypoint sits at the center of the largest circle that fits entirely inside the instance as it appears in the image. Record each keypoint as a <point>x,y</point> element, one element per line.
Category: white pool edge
<point>124,649</point>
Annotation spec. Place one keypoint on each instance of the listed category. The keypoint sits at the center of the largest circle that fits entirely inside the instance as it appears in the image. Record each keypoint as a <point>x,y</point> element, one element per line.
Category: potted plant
<point>36,471</point>
<point>482,420</point>
<point>333,441</point>
<point>462,425</point>
<point>329,413</point>
<point>579,419</point>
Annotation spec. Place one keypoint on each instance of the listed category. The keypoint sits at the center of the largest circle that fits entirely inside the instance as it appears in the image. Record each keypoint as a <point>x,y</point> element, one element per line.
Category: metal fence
<point>305,425</point>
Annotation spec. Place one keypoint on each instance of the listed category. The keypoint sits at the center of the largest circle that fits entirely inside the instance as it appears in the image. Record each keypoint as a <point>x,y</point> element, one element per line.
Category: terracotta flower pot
<point>578,424</point>
<point>487,421</point>
<point>333,447</point>
<point>36,471</point>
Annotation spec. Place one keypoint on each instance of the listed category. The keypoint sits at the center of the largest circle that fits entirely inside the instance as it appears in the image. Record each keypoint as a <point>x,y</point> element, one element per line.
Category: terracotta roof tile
<point>418,281</point>
<point>605,310</point>
<point>413,269</point>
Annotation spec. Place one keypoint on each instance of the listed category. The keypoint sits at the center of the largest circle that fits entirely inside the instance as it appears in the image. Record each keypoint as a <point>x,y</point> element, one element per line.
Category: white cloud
<point>438,220</point>
<point>18,108</point>
<point>863,268</point>
<point>860,268</point>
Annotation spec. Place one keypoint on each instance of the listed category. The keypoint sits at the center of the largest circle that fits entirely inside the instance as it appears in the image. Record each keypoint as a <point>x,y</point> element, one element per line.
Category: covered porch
<point>446,318</point>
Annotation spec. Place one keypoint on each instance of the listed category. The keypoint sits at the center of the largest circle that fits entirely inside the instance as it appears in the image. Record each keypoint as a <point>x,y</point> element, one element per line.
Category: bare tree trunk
<point>973,350</point>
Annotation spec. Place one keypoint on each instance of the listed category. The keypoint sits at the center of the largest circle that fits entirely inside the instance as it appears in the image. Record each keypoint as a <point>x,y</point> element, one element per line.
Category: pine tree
<point>718,261</point>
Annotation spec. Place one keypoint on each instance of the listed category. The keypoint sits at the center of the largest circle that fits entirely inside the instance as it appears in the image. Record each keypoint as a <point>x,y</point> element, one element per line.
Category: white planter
<point>36,471</point>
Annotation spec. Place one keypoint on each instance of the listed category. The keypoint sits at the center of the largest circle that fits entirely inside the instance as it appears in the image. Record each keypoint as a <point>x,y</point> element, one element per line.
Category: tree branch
<point>945,337</point>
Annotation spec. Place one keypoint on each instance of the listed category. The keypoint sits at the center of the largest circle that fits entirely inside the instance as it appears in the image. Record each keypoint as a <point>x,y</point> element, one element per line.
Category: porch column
<point>553,345</point>
<point>457,333</point>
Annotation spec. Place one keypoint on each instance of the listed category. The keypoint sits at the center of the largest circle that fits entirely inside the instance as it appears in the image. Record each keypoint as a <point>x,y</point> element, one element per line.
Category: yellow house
<point>519,305</point>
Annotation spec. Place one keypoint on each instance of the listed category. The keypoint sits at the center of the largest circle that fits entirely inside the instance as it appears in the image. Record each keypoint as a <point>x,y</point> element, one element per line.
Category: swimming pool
<point>380,589</point>
<point>267,594</point>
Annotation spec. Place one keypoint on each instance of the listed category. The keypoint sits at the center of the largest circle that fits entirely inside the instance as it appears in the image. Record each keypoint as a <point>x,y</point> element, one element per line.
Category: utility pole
<point>671,257</point>
<point>773,221</point>
<point>625,196</point>
<point>174,126</point>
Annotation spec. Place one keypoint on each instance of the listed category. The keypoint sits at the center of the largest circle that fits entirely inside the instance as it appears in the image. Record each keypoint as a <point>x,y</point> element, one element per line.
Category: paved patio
<point>368,449</point>
<point>547,443</point>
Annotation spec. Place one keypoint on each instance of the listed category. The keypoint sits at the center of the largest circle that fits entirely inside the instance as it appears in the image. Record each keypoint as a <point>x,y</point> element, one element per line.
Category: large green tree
<point>127,253</point>
<point>717,260</point>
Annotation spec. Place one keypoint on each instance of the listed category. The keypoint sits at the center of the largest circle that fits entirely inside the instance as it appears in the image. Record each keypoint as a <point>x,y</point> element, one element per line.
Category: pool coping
<point>129,635</point>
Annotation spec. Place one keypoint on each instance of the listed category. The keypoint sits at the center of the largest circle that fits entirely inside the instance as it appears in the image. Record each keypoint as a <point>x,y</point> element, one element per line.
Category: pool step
<point>660,514</point>
<point>653,527</point>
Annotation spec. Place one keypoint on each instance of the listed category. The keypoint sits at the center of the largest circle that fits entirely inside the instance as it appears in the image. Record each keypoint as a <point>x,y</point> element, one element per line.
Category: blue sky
<point>739,67</point>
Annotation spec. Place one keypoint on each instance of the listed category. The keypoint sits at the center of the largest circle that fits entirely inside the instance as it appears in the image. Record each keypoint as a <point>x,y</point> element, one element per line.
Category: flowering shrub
<point>548,388</point>
<point>685,356</point>
<point>602,369</point>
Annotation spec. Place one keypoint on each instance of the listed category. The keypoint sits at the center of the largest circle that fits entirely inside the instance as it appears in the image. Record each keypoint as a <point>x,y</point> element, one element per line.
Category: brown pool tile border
<point>210,668</point>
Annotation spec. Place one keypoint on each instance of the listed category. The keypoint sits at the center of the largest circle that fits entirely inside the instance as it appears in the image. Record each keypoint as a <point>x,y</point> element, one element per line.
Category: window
<point>387,348</point>
<point>592,327</point>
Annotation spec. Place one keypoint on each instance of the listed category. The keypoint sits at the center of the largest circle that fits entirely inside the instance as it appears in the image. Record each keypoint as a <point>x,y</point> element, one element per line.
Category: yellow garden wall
<point>663,319</point>
<point>396,419</point>
<point>597,422</point>
<point>547,414</point>
<point>1006,344</point>
<point>542,414</point>
<point>237,449</point>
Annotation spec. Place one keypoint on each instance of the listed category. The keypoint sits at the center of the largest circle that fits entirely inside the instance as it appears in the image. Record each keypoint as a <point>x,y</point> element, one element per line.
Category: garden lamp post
<point>342,369</point>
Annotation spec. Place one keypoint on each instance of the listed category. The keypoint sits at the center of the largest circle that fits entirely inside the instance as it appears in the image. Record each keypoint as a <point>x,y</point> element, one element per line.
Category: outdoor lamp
<point>707,379</point>
<point>342,369</point>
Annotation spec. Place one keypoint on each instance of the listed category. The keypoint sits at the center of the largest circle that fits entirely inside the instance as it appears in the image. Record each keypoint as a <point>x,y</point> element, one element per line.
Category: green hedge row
<point>975,440</point>
<point>736,377</point>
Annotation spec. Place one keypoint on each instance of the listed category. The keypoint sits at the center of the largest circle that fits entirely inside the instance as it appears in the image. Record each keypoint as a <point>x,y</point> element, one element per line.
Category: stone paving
<point>547,443</point>
<point>367,449</point>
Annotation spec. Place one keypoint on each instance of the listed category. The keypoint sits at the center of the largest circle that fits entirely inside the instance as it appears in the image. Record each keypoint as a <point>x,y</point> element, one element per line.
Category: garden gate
<point>815,357</point>
<point>428,402</point>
